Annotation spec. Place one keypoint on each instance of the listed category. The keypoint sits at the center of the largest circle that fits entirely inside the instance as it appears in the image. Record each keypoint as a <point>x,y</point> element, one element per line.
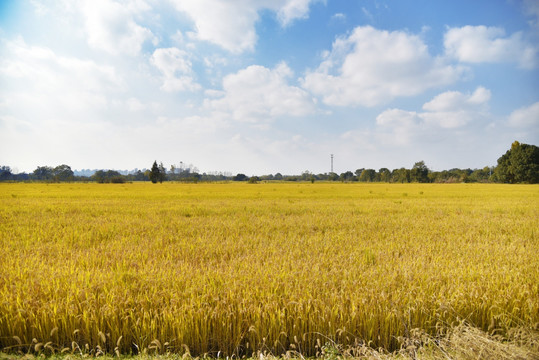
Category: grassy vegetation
<point>241,269</point>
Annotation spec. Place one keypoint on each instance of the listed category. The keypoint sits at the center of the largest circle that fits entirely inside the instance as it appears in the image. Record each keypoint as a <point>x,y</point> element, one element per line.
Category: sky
<point>267,86</point>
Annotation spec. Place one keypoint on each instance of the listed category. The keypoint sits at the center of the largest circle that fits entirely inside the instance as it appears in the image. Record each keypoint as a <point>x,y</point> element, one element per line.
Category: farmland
<point>240,268</point>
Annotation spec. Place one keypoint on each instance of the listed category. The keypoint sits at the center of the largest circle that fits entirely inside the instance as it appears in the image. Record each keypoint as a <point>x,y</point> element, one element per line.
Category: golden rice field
<point>236,269</point>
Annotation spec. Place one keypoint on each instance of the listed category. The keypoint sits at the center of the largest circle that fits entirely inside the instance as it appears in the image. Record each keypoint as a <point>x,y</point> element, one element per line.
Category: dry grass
<point>237,269</point>
<point>461,343</point>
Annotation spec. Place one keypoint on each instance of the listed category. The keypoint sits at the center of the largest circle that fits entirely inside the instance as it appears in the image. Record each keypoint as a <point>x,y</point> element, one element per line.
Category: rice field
<point>239,269</point>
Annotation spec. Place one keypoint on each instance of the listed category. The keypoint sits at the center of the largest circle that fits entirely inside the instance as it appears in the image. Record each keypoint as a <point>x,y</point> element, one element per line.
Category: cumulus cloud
<point>478,44</point>
<point>111,27</point>
<point>527,116</point>
<point>372,66</point>
<point>39,70</point>
<point>257,93</point>
<point>176,68</point>
<point>455,100</point>
<point>231,24</point>
<point>448,110</point>
<point>291,10</point>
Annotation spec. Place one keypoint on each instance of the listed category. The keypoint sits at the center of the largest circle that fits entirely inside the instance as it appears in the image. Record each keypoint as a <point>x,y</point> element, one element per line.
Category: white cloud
<point>110,26</point>
<point>525,117</point>
<point>372,66</point>
<point>446,111</point>
<point>478,44</point>
<point>257,93</point>
<point>231,24</point>
<point>339,17</point>
<point>176,68</point>
<point>397,118</point>
<point>456,101</point>
<point>39,8</point>
<point>42,70</point>
<point>293,9</point>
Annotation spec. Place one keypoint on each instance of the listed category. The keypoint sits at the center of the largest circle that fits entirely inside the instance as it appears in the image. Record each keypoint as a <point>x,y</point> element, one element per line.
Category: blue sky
<point>266,86</point>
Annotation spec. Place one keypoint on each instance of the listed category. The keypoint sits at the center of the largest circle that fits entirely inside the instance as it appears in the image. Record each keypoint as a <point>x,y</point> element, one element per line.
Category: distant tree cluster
<point>520,164</point>
<point>5,173</point>
<point>59,173</point>
<point>109,176</point>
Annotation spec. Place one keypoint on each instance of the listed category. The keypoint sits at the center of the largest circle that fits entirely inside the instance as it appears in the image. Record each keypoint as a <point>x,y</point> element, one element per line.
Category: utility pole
<point>331,162</point>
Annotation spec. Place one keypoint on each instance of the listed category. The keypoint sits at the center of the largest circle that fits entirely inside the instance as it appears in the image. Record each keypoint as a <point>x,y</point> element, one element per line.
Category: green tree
<point>385,174</point>
<point>162,173</point>
<point>63,173</point>
<point>420,172</point>
<point>481,175</point>
<point>109,176</point>
<point>154,173</point>
<point>347,176</point>
<point>138,176</point>
<point>43,173</point>
<point>520,164</point>
<point>240,177</point>
<point>401,175</point>
<point>333,176</point>
<point>5,173</point>
<point>368,175</point>
<point>306,175</point>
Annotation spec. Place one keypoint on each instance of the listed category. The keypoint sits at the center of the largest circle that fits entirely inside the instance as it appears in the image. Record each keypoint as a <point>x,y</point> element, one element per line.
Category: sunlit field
<point>236,269</point>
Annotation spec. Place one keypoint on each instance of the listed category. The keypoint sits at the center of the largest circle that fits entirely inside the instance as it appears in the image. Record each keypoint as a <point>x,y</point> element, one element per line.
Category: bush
<point>117,180</point>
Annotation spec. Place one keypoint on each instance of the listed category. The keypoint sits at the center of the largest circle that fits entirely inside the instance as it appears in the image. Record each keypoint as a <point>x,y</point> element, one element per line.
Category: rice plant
<point>242,269</point>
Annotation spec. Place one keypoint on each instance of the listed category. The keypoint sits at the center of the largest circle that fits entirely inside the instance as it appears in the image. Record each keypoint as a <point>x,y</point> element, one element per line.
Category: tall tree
<point>420,172</point>
<point>162,172</point>
<point>358,172</point>
<point>520,164</point>
<point>5,173</point>
<point>401,175</point>
<point>154,173</point>
<point>43,173</point>
<point>368,175</point>
<point>63,173</point>
<point>385,174</point>
<point>347,176</point>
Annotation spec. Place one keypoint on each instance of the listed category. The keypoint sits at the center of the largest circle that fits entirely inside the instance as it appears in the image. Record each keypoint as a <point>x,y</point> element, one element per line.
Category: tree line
<point>520,164</point>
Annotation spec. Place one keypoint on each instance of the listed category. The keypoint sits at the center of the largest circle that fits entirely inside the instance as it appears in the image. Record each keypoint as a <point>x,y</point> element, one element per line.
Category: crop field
<point>236,268</point>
